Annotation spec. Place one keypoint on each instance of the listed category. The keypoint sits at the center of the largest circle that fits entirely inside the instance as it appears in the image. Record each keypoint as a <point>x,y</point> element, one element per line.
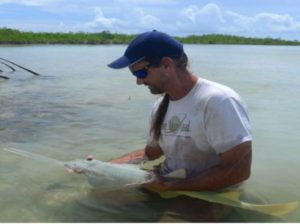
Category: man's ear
<point>167,62</point>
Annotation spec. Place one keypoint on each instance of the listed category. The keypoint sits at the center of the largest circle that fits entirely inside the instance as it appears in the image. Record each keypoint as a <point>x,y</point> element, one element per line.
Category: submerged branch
<point>26,69</point>
<point>3,77</point>
<point>11,68</point>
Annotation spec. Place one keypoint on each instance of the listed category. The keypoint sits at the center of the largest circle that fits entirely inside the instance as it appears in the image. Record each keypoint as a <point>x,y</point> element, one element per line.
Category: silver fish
<point>101,174</point>
<point>107,174</point>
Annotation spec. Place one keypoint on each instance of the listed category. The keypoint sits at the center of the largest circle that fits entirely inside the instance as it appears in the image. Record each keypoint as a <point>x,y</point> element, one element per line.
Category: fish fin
<point>271,209</point>
<point>137,184</point>
<point>150,164</point>
<point>231,199</point>
<point>180,174</point>
<point>231,195</point>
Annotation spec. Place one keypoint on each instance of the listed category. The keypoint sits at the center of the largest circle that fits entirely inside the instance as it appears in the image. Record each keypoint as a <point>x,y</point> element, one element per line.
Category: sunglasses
<point>142,73</point>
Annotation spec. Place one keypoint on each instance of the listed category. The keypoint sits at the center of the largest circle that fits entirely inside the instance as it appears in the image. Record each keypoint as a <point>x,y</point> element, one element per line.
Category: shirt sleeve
<point>227,124</point>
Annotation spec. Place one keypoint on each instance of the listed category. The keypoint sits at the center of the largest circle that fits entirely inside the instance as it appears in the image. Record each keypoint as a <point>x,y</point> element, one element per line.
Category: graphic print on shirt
<point>178,125</point>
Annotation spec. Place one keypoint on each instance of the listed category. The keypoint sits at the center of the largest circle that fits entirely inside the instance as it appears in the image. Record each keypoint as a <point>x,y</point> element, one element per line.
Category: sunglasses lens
<point>140,74</point>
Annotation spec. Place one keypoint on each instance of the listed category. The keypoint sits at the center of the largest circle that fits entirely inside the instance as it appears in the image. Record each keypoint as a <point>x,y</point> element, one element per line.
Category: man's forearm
<point>132,157</point>
<point>212,179</point>
<point>234,168</point>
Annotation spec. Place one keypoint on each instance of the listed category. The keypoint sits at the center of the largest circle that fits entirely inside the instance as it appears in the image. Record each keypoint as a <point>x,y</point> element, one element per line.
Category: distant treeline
<point>13,36</point>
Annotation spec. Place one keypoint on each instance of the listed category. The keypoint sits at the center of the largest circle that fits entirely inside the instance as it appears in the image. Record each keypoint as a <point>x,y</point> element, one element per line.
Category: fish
<point>100,173</point>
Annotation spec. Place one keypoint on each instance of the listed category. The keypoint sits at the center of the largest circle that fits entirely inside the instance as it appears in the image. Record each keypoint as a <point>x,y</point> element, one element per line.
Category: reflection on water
<point>78,106</point>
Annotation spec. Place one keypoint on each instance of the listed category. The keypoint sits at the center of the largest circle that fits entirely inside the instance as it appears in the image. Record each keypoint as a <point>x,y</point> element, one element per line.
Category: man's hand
<point>156,183</point>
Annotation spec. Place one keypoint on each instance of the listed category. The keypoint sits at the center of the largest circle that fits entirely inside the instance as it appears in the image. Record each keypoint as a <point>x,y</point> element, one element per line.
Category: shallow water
<point>79,106</point>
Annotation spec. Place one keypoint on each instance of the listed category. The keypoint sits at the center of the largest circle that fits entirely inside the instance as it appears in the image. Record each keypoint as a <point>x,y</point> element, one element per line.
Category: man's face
<point>153,79</point>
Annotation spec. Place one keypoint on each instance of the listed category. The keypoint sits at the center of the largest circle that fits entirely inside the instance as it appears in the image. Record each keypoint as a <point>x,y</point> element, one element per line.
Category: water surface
<point>79,106</point>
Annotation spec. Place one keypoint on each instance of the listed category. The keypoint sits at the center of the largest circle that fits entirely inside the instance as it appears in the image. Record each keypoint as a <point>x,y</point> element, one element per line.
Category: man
<point>198,125</point>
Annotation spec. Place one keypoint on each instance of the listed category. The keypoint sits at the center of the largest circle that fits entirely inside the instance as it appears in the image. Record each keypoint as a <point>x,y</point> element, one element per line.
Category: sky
<point>250,18</point>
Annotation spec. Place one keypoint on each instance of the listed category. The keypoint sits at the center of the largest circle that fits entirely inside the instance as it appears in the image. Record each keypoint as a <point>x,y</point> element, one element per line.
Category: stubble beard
<point>158,88</point>
<point>155,91</point>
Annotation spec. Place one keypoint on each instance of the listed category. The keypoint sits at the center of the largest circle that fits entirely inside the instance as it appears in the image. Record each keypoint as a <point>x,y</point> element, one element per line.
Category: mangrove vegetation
<point>13,36</point>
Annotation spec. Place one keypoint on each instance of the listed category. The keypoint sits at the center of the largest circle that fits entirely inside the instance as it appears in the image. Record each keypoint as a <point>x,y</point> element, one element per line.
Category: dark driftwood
<point>12,68</point>
<point>26,69</point>
<point>3,77</point>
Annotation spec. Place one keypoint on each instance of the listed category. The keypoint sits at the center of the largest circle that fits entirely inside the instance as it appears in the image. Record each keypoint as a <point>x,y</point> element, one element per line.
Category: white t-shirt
<point>209,120</point>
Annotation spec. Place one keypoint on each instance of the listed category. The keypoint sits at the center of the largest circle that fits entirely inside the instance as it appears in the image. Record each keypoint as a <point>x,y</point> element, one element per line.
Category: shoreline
<point>15,37</point>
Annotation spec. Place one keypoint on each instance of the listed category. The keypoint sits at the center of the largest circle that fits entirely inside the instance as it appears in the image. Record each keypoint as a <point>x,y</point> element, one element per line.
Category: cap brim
<point>121,62</point>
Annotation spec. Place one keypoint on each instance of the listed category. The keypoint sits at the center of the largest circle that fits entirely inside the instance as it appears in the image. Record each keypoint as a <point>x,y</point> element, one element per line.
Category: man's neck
<point>181,86</point>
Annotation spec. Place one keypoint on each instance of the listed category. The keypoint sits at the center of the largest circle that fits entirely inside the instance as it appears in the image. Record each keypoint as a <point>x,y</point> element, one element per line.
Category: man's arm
<point>133,157</point>
<point>153,152</point>
<point>234,168</point>
<point>138,155</point>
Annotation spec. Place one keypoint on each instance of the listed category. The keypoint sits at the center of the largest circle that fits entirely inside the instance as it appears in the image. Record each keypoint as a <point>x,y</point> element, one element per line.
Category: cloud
<point>209,11</point>
<point>25,2</point>
<point>134,16</point>
<point>103,22</point>
<point>264,22</point>
<point>134,21</point>
<point>212,19</point>
<point>144,19</point>
<point>207,19</point>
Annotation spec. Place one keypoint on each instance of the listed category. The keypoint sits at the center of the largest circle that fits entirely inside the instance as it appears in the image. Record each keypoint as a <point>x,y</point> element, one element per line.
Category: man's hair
<point>182,64</point>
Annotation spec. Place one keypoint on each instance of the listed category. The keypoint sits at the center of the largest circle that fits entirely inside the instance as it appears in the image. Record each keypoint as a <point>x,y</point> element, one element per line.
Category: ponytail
<point>159,117</point>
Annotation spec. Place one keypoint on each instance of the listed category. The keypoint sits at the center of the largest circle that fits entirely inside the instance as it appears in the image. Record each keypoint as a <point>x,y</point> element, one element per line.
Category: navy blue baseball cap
<point>152,44</point>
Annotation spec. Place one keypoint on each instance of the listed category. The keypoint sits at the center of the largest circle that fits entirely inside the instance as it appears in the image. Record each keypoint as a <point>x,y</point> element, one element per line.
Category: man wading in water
<point>198,125</point>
